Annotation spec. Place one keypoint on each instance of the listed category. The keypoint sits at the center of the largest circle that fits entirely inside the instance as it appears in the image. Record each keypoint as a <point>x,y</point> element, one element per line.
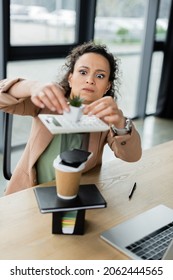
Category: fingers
<point>117,119</point>
<point>102,107</point>
<point>37,100</point>
<point>58,98</point>
<point>107,110</point>
<point>51,96</point>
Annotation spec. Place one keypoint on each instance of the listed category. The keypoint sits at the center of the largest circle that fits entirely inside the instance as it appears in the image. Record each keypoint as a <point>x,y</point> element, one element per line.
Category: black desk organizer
<point>89,197</point>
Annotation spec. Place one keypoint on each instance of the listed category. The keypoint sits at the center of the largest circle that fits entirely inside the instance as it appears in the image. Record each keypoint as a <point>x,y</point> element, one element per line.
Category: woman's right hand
<point>50,95</point>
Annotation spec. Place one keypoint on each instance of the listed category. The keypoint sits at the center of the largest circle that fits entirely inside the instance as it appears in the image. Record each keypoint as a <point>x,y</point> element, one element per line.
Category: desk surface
<point>25,233</point>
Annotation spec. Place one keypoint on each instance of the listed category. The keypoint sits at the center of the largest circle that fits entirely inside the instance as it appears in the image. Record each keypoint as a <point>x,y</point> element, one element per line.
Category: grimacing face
<point>90,78</point>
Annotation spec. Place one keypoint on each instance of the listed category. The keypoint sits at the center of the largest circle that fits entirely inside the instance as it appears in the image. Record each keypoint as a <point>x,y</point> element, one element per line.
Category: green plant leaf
<point>76,101</point>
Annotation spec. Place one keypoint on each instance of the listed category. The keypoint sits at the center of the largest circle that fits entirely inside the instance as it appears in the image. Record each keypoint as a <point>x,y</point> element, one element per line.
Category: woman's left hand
<point>106,109</point>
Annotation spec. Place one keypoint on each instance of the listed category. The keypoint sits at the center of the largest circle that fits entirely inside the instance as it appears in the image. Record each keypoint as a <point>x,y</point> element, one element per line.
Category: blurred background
<point>36,36</point>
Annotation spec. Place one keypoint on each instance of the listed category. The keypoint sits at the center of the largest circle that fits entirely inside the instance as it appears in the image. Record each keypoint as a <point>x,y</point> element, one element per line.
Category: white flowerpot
<point>74,114</point>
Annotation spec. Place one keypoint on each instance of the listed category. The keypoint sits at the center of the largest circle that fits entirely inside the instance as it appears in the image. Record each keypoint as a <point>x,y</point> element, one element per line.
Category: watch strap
<point>122,131</point>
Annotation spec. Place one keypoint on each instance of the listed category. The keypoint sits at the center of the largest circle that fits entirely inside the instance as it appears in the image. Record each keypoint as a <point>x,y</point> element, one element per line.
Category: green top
<point>59,144</point>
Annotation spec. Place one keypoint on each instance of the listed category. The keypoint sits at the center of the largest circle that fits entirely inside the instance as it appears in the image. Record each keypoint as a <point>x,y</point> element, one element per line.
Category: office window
<point>157,58</point>
<point>45,71</point>
<point>120,25</point>
<point>42,22</point>
<point>162,21</point>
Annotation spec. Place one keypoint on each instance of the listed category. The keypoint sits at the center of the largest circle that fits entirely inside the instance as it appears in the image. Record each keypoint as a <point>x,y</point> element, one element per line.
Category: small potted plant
<point>76,106</point>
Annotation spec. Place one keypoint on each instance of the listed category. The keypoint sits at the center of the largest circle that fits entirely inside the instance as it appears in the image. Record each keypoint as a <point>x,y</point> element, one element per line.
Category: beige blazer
<point>24,175</point>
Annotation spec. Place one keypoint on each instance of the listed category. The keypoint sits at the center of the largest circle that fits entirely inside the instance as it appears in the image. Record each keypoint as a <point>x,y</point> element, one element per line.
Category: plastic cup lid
<point>57,163</point>
<point>74,156</point>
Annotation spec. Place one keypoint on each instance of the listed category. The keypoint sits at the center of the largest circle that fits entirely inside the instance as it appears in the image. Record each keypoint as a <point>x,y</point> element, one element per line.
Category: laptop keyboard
<point>154,245</point>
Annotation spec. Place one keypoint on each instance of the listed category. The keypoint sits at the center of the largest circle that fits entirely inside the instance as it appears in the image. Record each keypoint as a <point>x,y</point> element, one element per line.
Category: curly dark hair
<point>91,47</point>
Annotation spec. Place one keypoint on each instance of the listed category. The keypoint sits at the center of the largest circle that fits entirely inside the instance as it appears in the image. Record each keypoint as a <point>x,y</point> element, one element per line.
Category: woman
<point>92,73</point>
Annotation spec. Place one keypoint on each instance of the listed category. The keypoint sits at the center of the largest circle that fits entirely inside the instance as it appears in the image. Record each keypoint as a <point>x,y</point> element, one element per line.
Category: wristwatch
<point>123,131</point>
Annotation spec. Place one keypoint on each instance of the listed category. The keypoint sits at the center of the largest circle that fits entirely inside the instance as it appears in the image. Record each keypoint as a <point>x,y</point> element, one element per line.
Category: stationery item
<point>60,124</point>
<point>132,191</point>
<point>145,236</point>
<point>68,221</point>
<point>89,197</point>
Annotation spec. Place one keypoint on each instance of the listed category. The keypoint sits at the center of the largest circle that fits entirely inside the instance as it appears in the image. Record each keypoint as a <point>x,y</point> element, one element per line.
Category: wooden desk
<point>25,233</point>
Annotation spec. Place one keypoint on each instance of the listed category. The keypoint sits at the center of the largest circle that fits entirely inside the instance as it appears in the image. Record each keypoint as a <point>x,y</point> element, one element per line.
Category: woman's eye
<point>83,72</point>
<point>100,76</point>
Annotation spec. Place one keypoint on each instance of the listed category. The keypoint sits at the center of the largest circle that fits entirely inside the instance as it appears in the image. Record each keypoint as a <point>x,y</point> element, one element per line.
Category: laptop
<point>147,236</point>
<point>168,255</point>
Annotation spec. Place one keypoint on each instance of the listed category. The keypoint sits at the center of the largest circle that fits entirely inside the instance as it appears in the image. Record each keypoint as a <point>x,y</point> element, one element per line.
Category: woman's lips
<point>88,89</point>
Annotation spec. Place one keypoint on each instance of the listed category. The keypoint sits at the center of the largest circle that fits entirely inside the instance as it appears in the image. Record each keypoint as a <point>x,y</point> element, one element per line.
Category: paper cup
<point>67,179</point>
